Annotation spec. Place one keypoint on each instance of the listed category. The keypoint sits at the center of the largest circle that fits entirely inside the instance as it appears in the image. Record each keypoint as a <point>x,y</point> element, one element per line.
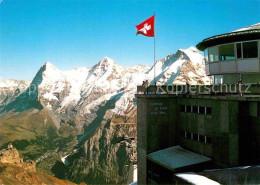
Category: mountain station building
<point>184,136</point>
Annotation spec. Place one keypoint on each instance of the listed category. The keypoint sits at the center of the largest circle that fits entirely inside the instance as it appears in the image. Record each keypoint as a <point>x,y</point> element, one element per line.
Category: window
<point>212,79</point>
<point>188,135</point>
<point>208,140</point>
<point>201,139</point>
<point>239,51</point>
<point>206,56</point>
<point>183,134</point>
<point>182,108</point>
<point>226,52</point>
<point>218,79</point>
<point>208,110</point>
<point>188,108</point>
<point>213,54</point>
<point>201,110</point>
<point>250,49</point>
<point>195,137</point>
<point>195,109</point>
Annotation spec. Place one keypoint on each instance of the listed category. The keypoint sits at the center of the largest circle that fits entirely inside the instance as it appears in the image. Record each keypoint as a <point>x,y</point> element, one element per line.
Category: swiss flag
<point>146,28</point>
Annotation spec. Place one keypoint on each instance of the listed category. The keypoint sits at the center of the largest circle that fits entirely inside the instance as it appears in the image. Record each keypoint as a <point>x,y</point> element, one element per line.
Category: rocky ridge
<point>13,170</point>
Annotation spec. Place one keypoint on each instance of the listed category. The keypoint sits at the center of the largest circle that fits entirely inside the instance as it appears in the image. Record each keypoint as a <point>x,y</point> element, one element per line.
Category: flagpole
<point>154,52</point>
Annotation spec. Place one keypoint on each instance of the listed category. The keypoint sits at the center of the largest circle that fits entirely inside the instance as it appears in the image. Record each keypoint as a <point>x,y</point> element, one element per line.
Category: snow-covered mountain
<point>85,98</point>
<point>11,89</point>
<point>81,91</point>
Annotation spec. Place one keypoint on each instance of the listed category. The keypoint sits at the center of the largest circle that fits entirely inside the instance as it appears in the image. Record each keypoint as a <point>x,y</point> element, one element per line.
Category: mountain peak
<point>48,65</point>
<point>192,48</point>
<point>106,63</point>
<point>47,70</point>
<point>107,60</point>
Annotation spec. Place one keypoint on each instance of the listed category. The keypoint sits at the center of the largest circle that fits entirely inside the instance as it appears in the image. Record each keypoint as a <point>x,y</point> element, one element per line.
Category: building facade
<point>192,132</point>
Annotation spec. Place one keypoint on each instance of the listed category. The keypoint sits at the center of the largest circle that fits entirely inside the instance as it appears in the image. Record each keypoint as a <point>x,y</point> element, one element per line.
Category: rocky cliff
<point>14,171</point>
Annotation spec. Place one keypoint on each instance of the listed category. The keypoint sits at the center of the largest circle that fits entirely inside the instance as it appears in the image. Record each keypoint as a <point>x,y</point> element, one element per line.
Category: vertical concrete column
<point>141,139</point>
<point>173,120</point>
<point>233,114</point>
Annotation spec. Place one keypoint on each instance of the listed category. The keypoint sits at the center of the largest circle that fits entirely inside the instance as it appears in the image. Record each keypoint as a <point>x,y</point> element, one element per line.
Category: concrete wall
<point>247,78</point>
<point>251,78</point>
<point>142,139</point>
<point>221,126</point>
<point>249,129</point>
<point>156,120</point>
<point>231,78</point>
<point>160,123</point>
<point>158,127</point>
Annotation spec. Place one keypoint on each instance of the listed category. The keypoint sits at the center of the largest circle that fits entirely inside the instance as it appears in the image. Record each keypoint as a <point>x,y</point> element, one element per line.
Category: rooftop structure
<point>233,55</point>
<point>176,158</point>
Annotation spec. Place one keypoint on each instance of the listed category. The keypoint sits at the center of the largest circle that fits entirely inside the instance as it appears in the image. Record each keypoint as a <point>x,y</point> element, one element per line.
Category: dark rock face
<point>106,156</point>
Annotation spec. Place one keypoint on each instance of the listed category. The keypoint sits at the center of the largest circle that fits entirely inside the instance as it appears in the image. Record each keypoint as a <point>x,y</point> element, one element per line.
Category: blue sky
<point>74,33</point>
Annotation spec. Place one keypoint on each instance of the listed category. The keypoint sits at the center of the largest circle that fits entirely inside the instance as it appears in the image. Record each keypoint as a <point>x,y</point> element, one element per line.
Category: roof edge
<point>229,37</point>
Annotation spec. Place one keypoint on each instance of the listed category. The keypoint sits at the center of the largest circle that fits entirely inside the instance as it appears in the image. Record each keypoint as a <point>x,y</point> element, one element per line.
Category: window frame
<point>188,108</point>
<point>235,52</point>
<point>193,110</point>
<point>221,79</point>
<point>241,50</point>
<point>257,45</point>
<point>206,57</point>
<point>201,110</point>
<point>182,108</point>
<point>217,54</point>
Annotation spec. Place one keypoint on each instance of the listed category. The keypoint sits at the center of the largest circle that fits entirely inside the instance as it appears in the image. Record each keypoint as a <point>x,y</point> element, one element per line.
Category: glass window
<point>195,109</point>
<point>208,110</point>
<point>201,139</point>
<point>213,54</point>
<point>182,108</point>
<point>226,52</point>
<point>206,56</point>
<point>250,49</point>
<point>188,108</point>
<point>195,137</point>
<point>188,135</point>
<point>239,51</point>
<point>201,110</point>
<point>218,79</point>
<point>212,79</point>
<point>208,139</point>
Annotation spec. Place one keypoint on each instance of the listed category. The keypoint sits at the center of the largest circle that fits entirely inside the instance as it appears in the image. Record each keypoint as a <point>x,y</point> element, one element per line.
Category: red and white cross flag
<point>146,28</point>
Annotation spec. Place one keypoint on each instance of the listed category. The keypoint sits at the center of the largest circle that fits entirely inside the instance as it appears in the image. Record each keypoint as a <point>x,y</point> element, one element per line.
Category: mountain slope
<point>11,89</point>
<point>90,115</point>
<point>14,171</point>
